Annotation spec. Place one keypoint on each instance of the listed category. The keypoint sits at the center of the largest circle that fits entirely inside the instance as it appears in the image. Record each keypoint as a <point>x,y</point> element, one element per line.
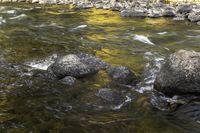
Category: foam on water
<point>42,64</point>
<point>162,33</point>
<point>128,99</point>
<point>143,39</point>
<point>21,16</point>
<point>2,21</point>
<point>80,27</point>
<point>151,69</point>
<point>49,25</point>
<point>9,11</point>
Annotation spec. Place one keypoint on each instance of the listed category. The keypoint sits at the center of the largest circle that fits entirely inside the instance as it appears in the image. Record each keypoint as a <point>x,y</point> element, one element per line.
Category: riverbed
<point>32,36</point>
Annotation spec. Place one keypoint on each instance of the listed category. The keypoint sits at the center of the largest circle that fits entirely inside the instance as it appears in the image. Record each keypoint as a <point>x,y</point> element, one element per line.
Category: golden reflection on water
<point>102,17</point>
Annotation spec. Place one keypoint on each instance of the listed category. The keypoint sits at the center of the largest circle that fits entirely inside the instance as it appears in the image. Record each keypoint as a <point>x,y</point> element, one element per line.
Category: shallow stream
<point>33,35</point>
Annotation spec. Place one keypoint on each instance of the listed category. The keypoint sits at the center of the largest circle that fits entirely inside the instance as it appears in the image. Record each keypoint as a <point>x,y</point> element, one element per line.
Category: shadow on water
<point>31,103</point>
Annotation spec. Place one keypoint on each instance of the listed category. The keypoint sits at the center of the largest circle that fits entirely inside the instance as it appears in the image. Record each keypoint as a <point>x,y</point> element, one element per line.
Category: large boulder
<point>122,75</point>
<point>180,74</point>
<point>76,66</point>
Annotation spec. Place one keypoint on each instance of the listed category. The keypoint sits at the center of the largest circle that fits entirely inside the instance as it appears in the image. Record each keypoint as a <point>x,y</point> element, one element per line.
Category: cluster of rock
<point>140,8</point>
<point>72,66</point>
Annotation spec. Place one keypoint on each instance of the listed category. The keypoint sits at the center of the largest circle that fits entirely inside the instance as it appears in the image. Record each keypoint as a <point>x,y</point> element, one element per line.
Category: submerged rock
<point>180,74</point>
<point>110,95</point>
<point>122,75</point>
<point>76,66</point>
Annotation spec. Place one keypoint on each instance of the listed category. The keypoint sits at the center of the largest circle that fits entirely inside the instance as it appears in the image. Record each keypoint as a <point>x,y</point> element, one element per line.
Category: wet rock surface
<point>180,74</point>
<point>122,75</point>
<point>76,66</point>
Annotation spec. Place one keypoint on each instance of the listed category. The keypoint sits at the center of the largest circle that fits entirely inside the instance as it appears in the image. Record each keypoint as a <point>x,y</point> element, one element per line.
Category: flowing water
<point>34,35</point>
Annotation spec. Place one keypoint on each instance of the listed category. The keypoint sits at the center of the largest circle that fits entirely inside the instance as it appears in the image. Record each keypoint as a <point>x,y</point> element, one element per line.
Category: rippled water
<point>35,35</point>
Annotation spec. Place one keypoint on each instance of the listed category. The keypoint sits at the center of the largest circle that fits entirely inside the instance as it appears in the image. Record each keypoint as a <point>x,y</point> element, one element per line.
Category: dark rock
<point>180,74</point>
<point>194,17</point>
<point>184,9</point>
<point>140,12</point>
<point>68,80</point>
<point>122,75</point>
<point>76,66</point>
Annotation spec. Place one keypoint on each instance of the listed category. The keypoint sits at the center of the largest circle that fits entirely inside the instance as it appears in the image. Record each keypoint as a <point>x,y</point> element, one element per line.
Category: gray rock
<point>198,23</point>
<point>85,5</point>
<point>98,5</point>
<point>140,12</point>
<point>155,12</point>
<point>169,12</point>
<point>179,17</point>
<point>76,66</point>
<point>184,9</point>
<point>122,75</point>
<point>180,74</point>
<point>194,17</point>
<point>68,80</point>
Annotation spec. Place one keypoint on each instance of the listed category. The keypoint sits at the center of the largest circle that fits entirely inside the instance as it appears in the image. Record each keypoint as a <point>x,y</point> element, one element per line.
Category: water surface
<point>34,35</point>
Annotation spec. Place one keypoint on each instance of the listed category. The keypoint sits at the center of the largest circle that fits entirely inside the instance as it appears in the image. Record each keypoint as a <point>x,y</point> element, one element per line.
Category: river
<point>33,35</point>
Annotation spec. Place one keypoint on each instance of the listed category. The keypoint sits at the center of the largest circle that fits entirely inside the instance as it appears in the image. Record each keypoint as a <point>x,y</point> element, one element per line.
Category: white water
<point>152,67</point>
<point>80,27</point>
<point>9,11</point>
<point>21,16</point>
<point>162,33</point>
<point>128,99</point>
<point>2,20</point>
<point>48,25</point>
<point>143,39</point>
<point>42,64</point>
